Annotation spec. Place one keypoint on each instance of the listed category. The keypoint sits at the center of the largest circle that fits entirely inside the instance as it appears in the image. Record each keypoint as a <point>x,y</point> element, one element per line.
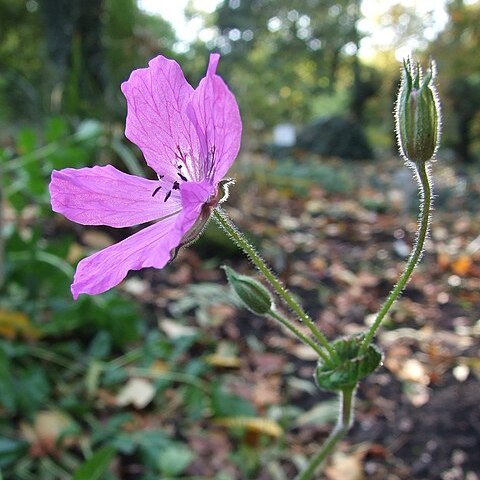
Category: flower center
<point>202,220</point>
<point>175,184</point>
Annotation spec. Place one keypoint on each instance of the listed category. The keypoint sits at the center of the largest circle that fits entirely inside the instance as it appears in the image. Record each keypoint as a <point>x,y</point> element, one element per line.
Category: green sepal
<point>251,292</point>
<point>418,113</point>
<point>344,373</point>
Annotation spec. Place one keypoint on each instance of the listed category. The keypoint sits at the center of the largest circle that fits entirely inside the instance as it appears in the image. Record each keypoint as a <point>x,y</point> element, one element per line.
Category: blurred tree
<point>74,34</point>
<point>456,52</point>
<point>20,59</point>
<point>294,49</point>
<point>132,37</point>
<point>93,44</point>
<point>70,56</point>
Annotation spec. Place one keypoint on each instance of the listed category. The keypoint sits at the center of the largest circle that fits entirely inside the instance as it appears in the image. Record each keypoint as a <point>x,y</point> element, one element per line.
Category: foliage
<point>20,60</point>
<point>71,56</point>
<point>455,50</point>
<point>312,44</point>
<point>297,175</point>
<point>66,366</point>
<point>81,380</point>
<point>98,387</point>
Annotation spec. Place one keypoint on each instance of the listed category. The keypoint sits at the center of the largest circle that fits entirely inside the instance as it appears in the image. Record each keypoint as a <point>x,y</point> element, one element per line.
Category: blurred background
<point>166,376</point>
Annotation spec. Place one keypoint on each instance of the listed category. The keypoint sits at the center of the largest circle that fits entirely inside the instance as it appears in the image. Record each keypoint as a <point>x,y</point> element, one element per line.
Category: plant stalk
<point>241,241</point>
<point>345,420</point>
<point>426,200</point>
<point>304,338</point>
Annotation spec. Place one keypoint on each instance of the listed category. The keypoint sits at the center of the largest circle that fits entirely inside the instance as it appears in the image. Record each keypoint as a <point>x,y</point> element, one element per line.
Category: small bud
<point>417,114</point>
<point>251,292</point>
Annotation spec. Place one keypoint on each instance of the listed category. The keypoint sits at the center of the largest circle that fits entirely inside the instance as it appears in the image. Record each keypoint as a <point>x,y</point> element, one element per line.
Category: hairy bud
<point>252,293</point>
<point>417,114</point>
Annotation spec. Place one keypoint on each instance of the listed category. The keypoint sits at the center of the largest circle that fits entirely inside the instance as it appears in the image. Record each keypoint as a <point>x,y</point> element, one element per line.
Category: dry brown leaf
<point>253,424</point>
<point>462,265</point>
<point>412,370</point>
<point>50,427</point>
<point>13,324</point>
<point>347,466</point>
<point>223,361</point>
<point>175,329</point>
<point>138,392</point>
<point>417,393</point>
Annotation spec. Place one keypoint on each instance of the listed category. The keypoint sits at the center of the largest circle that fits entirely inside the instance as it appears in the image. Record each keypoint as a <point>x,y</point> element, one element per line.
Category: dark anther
<point>167,196</point>
<point>160,177</point>
<point>179,166</point>
<point>176,186</point>
<point>156,191</point>
<point>183,177</point>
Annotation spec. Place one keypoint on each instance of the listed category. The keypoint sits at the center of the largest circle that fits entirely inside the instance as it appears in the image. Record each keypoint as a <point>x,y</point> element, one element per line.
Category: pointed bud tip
<point>417,113</point>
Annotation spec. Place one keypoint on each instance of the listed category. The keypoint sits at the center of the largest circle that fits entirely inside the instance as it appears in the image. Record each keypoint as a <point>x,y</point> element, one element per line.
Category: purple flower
<point>190,137</point>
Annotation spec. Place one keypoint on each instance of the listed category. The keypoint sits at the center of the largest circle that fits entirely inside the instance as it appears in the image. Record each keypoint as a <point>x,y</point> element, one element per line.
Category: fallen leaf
<point>223,361</point>
<point>413,370</point>
<point>322,414</point>
<point>175,329</point>
<point>344,466</point>
<point>417,393</point>
<point>13,324</point>
<point>138,392</point>
<point>50,429</point>
<point>462,265</point>
<point>253,424</point>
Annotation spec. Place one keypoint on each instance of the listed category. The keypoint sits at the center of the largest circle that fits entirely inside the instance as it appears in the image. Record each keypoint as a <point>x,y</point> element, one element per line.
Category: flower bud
<point>252,293</point>
<point>417,114</point>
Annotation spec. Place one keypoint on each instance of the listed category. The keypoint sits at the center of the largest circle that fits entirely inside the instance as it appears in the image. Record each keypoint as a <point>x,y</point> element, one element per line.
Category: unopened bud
<point>417,114</point>
<point>251,292</point>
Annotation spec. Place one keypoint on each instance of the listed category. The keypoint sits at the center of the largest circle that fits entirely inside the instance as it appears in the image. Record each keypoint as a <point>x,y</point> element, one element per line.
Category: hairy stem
<point>232,231</point>
<point>426,199</point>
<point>345,420</point>
<point>304,338</point>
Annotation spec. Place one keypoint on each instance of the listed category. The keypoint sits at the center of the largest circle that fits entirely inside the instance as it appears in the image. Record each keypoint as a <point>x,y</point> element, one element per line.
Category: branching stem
<point>241,241</point>
<point>304,338</point>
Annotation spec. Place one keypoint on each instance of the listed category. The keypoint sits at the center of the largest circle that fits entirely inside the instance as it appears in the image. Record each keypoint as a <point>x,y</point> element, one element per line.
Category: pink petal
<point>151,247</point>
<point>106,196</point>
<point>214,112</point>
<point>194,195</point>
<point>105,269</point>
<point>157,99</point>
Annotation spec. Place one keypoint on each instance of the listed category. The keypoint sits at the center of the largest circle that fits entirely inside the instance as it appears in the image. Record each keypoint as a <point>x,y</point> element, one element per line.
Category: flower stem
<point>232,231</point>
<point>426,200</point>
<point>304,338</point>
<point>345,420</point>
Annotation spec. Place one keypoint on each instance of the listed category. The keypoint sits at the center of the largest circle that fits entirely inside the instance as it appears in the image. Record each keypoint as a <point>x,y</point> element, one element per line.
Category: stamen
<point>167,196</point>
<point>156,190</point>
<point>183,177</point>
<point>176,186</point>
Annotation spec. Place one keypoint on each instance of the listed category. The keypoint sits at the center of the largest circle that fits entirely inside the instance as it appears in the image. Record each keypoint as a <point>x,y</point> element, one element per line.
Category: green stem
<point>423,225</point>
<point>226,224</point>
<point>345,420</point>
<point>304,338</point>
